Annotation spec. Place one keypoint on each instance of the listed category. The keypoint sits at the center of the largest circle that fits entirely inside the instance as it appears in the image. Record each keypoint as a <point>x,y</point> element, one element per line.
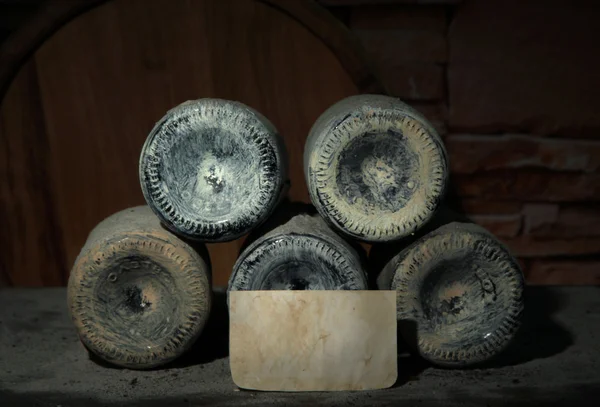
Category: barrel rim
<point>21,45</point>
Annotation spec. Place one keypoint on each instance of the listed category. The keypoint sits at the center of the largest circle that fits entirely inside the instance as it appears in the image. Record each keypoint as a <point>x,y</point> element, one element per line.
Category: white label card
<point>313,340</point>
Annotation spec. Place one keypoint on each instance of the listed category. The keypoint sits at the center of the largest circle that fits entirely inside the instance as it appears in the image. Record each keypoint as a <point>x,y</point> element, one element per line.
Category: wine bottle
<point>376,169</point>
<point>302,254</point>
<point>463,290</point>
<point>138,295</point>
<point>212,169</point>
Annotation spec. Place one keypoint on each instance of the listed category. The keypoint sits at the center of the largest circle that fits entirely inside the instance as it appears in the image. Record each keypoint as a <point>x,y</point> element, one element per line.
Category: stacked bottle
<point>213,170</point>
<point>139,293</point>
<point>377,171</point>
<point>300,254</point>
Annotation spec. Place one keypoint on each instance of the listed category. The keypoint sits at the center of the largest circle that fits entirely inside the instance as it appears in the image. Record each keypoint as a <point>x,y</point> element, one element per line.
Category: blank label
<point>313,340</point>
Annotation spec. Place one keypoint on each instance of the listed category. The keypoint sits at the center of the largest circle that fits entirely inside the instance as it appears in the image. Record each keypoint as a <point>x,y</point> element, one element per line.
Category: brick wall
<point>513,88</point>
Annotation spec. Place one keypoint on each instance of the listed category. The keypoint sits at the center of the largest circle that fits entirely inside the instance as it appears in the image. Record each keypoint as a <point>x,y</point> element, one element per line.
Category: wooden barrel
<point>461,290</point>
<point>84,82</point>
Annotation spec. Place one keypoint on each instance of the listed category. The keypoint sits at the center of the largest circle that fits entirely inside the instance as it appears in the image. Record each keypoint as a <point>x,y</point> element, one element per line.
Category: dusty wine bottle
<point>138,295</point>
<point>464,291</point>
<point>212,169</point>
<point>302,254</point>
<point>375,168</point>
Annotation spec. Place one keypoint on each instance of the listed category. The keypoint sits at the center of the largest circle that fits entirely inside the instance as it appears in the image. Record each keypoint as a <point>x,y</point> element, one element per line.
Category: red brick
<point>478,207</point>
<point>392,48</point>
<point>564,221</point>
<point>525,65</point>
<point>529,246</point>
<point>539,216</point>
<point>563,272</point>
<point>435,113</point>
<point>414,81</point>
<point>500,225</point>
<point>399,16</point>
<point>472,153</point>
<point>528,186</point>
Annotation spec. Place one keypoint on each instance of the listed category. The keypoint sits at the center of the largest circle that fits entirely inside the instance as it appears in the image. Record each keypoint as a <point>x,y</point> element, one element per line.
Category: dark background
<point>511,85</point>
